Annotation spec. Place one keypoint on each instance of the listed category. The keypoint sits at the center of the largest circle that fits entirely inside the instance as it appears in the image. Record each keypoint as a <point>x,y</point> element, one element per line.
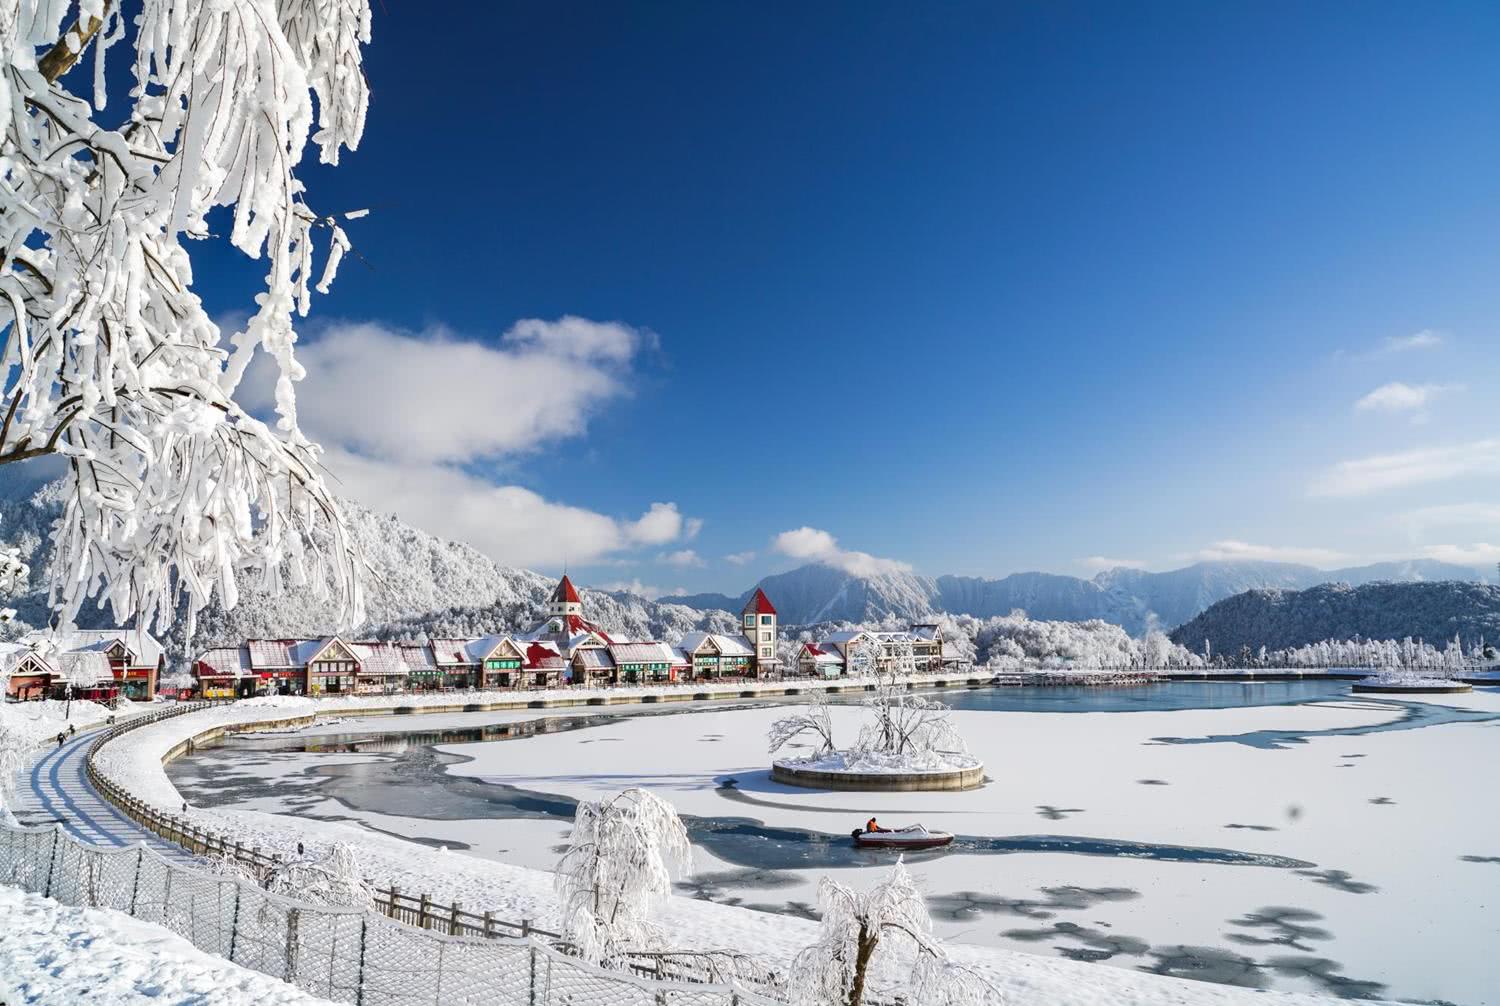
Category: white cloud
<point>682,557</point>
<point>1425,339</point>
<point>661,524</point>
<point>1408,468</point>
<point>1241,550</point>
<point>431,397</point>
<point>1399,396</point>
<point>740,558</point>
<point>1481,554</point>
<point>813,545</point>
<point>407,418</point>
<point>1100,563</point>
<point>512,524</point>
<point>635,586</point>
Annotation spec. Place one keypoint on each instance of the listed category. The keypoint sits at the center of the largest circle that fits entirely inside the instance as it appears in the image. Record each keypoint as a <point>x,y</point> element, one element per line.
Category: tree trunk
<point>867,940</point>
<point>61,57</point>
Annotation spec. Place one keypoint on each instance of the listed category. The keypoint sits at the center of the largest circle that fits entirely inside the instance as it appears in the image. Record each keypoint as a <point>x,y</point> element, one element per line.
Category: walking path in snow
<point>56,790</point>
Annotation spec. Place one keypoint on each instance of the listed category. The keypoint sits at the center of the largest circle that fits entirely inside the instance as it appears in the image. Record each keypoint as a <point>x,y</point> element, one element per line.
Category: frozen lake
<point>1277,835</point>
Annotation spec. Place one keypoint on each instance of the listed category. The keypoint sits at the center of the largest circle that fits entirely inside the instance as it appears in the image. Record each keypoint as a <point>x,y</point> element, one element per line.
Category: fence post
<point>135,885</point>
<point>533,975</point>
<point>453,920</point>
<point>359,989</point>
<point>52,860</point>
<point>438,999</point>
<point>291,945</point>
<point>234,924</point>
<point>489,924</point>
<point>422,919</point>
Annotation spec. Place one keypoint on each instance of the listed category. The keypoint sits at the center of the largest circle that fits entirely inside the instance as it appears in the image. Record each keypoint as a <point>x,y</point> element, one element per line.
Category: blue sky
<point>973,288</point>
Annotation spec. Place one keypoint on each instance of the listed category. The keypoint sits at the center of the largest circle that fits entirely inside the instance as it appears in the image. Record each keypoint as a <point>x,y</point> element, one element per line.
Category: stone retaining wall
<point>879,782</point>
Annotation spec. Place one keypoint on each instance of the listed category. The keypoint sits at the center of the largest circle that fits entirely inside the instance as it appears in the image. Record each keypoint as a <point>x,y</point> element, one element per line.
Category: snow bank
<point>35,723</point>
<point>55,955</point>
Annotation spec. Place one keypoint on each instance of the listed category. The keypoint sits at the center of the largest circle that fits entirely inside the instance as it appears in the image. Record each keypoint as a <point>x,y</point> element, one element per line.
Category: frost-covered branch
<point>814,720</point>
<point>110,360</point>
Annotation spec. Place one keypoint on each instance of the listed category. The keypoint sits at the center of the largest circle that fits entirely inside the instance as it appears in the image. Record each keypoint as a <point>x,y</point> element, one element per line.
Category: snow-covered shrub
<point>332,879</point>
<point>880,941</point>
<point>617,869</point>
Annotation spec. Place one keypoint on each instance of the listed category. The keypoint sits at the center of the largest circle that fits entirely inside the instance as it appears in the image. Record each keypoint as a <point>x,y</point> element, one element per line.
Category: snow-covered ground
<point>53,955</point>
<point>36,723</point>
<point>1374,858</point>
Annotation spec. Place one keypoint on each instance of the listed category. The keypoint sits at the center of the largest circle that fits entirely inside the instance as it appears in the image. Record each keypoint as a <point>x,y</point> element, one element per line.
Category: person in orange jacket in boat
<point>872,826</point>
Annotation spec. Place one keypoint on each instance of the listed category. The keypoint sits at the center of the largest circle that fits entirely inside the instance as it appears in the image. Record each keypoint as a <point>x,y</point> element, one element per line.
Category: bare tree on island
<point>618,868</point>
<point>903,724</point>
<point>891,917</point>
<point>813,720</point>
<point>173,491</point>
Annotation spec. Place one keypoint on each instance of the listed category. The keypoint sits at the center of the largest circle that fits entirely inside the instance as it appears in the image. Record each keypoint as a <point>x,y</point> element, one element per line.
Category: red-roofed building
<point>759,623</point>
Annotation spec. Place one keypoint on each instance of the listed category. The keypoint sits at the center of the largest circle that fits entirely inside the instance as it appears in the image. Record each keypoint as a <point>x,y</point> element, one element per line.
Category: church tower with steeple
<point>565,601</point>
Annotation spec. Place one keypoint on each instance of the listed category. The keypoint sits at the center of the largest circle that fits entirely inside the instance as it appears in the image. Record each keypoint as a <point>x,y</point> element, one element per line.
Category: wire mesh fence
<point>344,955</point>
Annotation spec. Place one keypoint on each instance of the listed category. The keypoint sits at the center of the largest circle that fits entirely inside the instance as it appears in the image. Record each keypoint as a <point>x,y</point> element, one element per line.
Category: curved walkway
<point>56,790</point>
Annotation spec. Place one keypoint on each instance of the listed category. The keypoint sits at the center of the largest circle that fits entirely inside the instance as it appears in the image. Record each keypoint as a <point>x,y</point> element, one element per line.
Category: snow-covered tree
<point>334,878</point>
<point>173,491</point>
<point>617,869</point>
<point>813,720</point>
<point>881,937</point>
<point>903,724</point>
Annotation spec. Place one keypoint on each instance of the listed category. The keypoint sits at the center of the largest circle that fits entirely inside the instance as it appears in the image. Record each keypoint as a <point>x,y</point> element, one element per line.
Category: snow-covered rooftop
<point>143,647</point>
<point>641,653</point>
<point>229,661</point>
<point>729,646</point>
<point>380,659</point>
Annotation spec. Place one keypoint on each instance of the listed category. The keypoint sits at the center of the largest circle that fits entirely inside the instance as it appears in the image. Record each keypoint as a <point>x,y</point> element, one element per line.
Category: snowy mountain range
<point>1433,612</point>
<point>416,582</point>
<point>1132,598</point>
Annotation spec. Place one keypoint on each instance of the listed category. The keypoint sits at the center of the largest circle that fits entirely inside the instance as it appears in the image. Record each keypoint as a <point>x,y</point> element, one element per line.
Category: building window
<point>749,621</point>
<point>765,619</point>
<point>765,651</point>
<point>765,637</point>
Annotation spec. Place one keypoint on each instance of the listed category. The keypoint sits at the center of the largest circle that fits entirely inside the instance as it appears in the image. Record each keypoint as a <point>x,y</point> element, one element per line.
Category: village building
<point>563,648</point>
<point>101,665</point>
<point>834,655</point>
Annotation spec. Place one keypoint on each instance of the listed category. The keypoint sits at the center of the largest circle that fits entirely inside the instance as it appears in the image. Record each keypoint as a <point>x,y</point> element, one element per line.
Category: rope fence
<point>344,955</point>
